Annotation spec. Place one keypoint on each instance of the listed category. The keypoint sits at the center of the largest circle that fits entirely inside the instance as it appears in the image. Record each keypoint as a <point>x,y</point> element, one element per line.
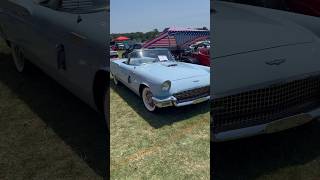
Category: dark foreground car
<point>65,38</point>
<point>266,70</point>
<point>307,7</point>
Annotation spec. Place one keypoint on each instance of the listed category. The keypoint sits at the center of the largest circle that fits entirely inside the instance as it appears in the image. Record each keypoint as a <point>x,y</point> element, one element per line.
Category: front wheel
<point>147,99</point>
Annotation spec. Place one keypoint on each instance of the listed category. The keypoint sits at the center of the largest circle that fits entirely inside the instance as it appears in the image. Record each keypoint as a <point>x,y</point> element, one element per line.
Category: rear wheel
<point>18,58</point>
<point>147,99</point>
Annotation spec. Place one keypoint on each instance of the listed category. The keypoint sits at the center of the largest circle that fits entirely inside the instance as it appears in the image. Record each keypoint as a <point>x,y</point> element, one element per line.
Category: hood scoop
<point>170,64</point>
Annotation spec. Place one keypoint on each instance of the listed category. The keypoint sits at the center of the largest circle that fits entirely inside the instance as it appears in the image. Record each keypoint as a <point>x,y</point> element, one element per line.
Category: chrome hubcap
<point>147,99</point>
<point>18,58</point>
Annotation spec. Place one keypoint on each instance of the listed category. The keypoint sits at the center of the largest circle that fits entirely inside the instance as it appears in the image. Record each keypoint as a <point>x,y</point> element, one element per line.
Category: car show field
<point>145,144</point>
<point>166,136</point>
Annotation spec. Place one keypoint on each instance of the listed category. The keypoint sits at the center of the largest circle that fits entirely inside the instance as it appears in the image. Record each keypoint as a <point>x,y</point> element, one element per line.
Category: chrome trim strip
<point>264,85</point>
<point>173,101</point>
<point>251,131</point>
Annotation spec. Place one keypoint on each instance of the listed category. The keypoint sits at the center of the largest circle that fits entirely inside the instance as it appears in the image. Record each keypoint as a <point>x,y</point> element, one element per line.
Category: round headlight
<point>166,86</point>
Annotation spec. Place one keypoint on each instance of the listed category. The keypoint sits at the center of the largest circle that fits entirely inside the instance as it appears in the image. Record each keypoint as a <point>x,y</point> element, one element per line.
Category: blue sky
<point>146,15</point>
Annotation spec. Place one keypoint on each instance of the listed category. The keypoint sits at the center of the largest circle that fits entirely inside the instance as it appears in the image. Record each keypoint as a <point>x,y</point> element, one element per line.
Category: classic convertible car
<point>161,81</point>
<point>266,75</point>
<point>65,38</point>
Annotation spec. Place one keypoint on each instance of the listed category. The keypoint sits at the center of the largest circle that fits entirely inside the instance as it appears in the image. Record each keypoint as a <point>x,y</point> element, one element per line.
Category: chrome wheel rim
<point>18,58</point>
<point>147,99</point>
<point>115,81</point>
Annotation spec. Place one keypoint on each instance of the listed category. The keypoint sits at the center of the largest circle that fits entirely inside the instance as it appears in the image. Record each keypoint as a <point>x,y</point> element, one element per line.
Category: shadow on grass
<point>253,157</point>
<point>73,121</point>
<point>162,117</point>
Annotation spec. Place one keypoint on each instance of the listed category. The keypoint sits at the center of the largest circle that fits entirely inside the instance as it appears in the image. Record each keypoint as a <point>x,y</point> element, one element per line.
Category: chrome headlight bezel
<point>165,86</point>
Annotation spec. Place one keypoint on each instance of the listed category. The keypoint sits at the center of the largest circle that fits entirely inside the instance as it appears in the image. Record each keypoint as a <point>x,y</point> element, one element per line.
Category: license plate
<point>199,100</point>
<point>287,123</point>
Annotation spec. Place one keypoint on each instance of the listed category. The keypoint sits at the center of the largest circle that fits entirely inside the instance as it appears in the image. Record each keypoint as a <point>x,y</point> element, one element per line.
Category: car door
<point>76,41</point>
<point>126,73</point>
<point>51,26</point>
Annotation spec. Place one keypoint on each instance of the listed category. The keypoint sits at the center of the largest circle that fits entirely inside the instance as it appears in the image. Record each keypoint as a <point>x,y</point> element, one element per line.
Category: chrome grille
<point>265,105</point>
<point>76,4</point>
<point>192,94</point>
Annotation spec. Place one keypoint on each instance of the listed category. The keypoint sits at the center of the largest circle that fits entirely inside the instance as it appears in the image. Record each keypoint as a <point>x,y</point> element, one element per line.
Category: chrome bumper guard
<point>263,128</point>
<point>172,101</point>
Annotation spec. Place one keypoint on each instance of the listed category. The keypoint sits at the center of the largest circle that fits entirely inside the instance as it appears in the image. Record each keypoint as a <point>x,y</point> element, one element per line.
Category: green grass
<point>173,143</point>
<point>46,132</point>
<point>120,52</point>
<point>293,154</point>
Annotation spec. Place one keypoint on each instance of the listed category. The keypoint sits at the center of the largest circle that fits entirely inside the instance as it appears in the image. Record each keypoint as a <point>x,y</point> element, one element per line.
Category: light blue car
<point>161,81</point>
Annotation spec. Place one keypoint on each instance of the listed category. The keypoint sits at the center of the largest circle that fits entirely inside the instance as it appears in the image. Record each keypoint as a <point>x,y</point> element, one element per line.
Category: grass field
<point>46,132</point>
<point>293,154</point>
<point>120,52</point>
<point>173,143</point>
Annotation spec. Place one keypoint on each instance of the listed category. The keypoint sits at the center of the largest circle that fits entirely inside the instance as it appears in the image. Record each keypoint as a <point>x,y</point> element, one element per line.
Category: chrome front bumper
<point>256,130</point>
<point>172,101</point>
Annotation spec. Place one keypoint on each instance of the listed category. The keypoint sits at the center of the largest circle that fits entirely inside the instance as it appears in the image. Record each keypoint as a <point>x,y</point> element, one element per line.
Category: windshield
<point>147,56</point>
<point>78,6</point>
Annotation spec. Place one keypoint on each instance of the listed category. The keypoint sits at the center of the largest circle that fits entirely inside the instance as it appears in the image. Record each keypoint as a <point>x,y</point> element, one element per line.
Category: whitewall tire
<point>147,99</point>
<point>18,58</point>
<point>115,80</point>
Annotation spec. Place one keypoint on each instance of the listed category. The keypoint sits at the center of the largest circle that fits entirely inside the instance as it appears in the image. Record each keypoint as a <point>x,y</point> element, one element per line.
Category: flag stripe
<point>173,37</point>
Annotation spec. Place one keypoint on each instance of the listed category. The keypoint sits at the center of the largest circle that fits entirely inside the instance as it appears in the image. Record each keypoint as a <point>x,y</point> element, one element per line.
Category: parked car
<point>113,54</point>
<point>201,44</point>
<point>120,46</point>
<point>308,7</point>
<point>66,40</point>
<point>266,70</point>
<point>161,81</point>
<point>129,48</point>
<point>202,56</point>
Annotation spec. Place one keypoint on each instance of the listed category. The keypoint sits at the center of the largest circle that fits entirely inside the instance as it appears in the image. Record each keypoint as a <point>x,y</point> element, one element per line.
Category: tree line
<point>138,36</point>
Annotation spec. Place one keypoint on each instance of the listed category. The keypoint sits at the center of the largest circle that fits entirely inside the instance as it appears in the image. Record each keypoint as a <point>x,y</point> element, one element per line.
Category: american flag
<point>173,37</point>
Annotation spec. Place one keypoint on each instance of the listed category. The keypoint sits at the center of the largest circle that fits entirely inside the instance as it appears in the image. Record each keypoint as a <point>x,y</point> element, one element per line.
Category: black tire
<point>146,94</point>
<point>106,106</point>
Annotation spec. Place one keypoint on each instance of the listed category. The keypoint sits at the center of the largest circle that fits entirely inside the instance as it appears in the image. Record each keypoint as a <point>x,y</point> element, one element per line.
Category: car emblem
<point>275,62</point>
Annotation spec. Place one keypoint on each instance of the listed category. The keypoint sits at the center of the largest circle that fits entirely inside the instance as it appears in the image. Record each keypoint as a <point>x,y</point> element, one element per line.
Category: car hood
<point>243,28</point>
<point>173,71</point>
